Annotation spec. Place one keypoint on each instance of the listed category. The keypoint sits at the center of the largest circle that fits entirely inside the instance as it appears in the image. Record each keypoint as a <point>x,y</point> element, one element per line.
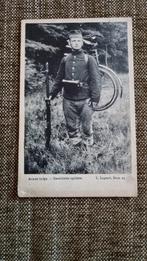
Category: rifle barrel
<point>48,108</point>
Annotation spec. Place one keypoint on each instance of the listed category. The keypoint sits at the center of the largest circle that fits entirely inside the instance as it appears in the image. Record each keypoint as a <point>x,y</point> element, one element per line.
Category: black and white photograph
<point>77,115</point>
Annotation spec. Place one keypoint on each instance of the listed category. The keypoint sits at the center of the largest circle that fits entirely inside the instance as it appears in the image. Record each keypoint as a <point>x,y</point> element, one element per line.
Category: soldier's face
<point>76,43</point>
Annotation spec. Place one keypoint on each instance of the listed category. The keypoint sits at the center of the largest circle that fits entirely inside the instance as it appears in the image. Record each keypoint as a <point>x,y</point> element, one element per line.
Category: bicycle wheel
<point>110,88</point>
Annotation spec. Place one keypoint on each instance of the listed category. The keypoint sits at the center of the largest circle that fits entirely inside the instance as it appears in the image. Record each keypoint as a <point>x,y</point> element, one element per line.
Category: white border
<point>79,185</point>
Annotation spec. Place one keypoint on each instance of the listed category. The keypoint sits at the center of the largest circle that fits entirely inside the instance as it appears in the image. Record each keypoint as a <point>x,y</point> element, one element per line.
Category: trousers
<point>78,115</point>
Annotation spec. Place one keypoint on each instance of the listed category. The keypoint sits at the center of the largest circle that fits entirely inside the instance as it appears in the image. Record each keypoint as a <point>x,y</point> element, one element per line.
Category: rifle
<point>48,108</point>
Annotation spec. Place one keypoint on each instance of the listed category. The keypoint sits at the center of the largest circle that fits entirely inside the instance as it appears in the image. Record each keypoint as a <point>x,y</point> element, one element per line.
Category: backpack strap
<point>86,58</point>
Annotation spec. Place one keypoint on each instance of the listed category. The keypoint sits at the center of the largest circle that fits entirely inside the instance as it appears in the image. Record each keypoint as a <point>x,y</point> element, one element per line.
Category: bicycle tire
<point>116,87</point>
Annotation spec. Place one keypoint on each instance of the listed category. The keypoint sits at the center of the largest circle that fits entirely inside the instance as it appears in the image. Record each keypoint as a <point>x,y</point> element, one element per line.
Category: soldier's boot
<point>75,141</point>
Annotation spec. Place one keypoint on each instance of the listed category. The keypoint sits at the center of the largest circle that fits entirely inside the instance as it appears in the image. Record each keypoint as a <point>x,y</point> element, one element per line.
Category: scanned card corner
<point>77,134</point>
<point>20,193</point>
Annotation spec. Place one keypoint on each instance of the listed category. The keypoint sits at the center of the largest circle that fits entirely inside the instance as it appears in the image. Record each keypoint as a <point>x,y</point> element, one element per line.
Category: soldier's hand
<point>90,102</point>
<point>94,105</point>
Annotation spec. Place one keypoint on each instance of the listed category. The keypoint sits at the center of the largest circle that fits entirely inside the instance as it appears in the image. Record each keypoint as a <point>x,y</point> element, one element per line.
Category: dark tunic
<point>75,67</point>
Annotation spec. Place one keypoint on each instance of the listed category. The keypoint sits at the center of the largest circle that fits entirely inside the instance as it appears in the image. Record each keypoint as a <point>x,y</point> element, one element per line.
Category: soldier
<point>79,77</point>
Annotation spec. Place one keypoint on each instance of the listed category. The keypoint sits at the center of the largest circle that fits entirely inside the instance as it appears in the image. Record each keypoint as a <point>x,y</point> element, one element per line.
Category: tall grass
<point>109,154</point>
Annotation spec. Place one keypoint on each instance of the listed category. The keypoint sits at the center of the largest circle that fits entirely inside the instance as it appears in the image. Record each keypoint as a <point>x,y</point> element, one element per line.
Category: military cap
<point>75,33</point>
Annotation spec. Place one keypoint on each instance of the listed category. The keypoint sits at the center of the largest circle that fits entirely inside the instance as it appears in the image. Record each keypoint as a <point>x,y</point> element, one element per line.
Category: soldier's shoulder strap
<point>67,56</point>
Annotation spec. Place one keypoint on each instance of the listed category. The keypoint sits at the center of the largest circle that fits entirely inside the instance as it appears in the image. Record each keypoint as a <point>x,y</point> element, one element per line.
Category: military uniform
<point>76,99</point>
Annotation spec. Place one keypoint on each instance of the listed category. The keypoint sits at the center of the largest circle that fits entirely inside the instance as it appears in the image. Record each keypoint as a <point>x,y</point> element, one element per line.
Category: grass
<point>109,154</point>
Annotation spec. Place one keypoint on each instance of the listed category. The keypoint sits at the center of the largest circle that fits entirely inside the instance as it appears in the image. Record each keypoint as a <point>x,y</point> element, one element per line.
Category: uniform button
<point>73,68</point>
<point>74,57</point>
<point>73,61</point>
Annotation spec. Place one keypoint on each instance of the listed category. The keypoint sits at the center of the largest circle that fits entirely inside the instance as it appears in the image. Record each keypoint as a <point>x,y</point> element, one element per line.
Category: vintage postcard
<point>77,114</point>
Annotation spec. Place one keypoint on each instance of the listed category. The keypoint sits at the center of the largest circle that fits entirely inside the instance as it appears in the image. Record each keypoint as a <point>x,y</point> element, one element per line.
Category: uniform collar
<point>77,52</point>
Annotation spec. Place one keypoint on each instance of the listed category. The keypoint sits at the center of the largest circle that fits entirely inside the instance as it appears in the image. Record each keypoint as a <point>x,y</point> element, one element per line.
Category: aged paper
<point>77,114</point>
